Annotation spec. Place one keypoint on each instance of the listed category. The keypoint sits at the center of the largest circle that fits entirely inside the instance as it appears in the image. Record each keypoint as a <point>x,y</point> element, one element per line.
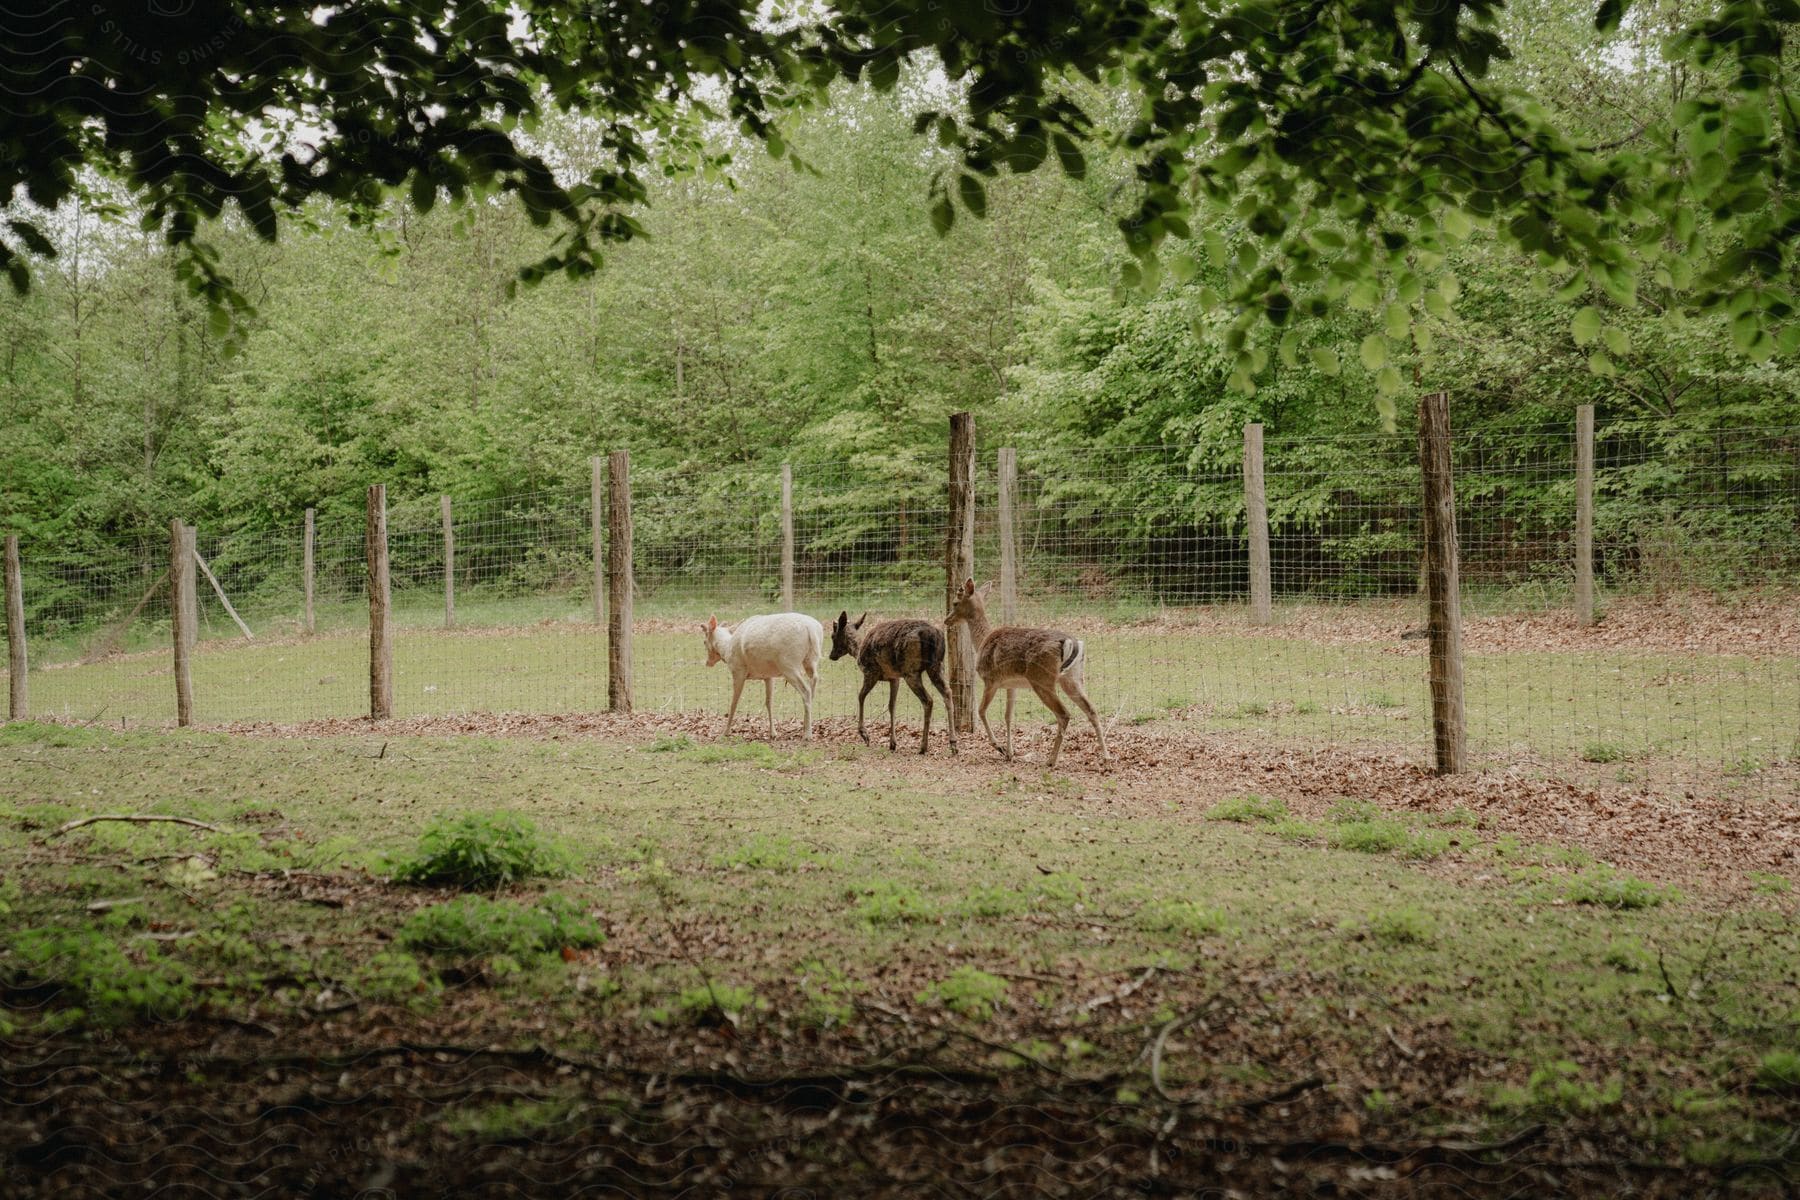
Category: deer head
<point>844,635</point>
<point>971,604</point>
<point>716,643</point>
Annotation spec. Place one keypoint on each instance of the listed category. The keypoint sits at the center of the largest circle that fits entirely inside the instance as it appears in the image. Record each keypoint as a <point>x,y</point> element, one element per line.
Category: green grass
<point>1730,714</point>
<point>733,894</point>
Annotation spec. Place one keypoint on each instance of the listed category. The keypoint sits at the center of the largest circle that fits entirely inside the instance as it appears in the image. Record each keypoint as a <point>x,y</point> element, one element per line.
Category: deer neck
<point>978,627</point>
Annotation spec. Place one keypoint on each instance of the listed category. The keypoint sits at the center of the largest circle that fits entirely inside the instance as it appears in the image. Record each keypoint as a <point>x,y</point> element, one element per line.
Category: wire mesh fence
<point>1693,671</point>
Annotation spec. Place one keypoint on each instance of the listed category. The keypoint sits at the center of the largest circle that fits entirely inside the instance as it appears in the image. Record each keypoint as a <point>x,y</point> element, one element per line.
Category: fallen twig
<point>80,821</point>
<point>1122,993</point>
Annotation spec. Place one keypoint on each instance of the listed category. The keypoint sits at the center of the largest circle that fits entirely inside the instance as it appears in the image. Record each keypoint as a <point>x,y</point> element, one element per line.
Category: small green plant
<point>1603,752</point>
<point>1382,700</point>
<point>709,1004</point>
<point>474,927</point>
<point>1627,955</point>
<point>395,977</point>
<point>1368,837</point>
<point>1378,1103</point>
<point>1762,883</point>
<point>1180,916</point>
<point>769,852</point>
<point>1425,844</point>
<point>969,992</point>
<point>483,851</point>
<point>1558,1087</point>
<point>1408,925</point>
<point>667,744</point>
<point>518,1120</point>
<point>1294,831</point>
<point>1606,888</point>
<point>989,902</point>
<point>1307,708</point>
<point>884,902</point>
<point>95,973</point>
<point>828,992</point>
<point>1348,811</point>
<point>1458,817</point>
<point>1253,708</point>
<point>1779,1072</point>
<point>1249,809</point>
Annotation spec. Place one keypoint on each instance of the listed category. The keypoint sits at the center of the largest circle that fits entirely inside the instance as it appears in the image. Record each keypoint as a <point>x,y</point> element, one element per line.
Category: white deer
<point>1014,656</point>
<point>777,646</point>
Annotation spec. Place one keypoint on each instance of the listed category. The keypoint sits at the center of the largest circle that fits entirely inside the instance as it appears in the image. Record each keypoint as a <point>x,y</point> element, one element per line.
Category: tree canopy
<point>1342,147</point>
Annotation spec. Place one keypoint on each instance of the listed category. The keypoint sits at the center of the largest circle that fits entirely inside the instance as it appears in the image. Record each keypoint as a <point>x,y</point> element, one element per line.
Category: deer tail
<point>1073,652</point>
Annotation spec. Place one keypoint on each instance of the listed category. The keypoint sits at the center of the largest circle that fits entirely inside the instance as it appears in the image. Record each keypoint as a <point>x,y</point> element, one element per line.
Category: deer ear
<point>860,620</point>
<point>968,587</point>
<point>843,619</point>
<point>985,588</point>
<point>712,623</point>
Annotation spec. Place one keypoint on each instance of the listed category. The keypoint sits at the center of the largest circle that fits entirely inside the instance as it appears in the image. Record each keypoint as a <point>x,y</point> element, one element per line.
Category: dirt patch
<point>1689,839</point>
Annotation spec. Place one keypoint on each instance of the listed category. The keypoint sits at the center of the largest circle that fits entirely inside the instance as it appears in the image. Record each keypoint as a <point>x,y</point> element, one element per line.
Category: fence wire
<point>1143,552</point>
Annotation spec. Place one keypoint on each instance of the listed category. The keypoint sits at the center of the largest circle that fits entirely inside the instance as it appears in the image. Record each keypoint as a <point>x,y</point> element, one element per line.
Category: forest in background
<point>815,316</point>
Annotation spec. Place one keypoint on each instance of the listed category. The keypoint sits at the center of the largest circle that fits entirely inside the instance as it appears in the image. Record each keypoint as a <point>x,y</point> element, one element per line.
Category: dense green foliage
<point>813,316</point>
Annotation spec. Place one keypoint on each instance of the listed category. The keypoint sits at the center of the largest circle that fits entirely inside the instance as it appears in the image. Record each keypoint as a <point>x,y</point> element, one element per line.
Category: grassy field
<point>1391,978</point>
<point>1721,719</point>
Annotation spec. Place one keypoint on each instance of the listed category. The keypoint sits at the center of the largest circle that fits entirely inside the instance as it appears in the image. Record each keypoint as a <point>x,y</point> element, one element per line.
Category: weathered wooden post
<point>1443,585</point>
<point>959,567</point>
<point>183,610</point>
<point>449,564</point>
<point>1256,511</point>
<point>381,640</point>
<point>1584,514</point>
<point>596,516</point>
<point>306,570</point>
<point>619,582</point>
<point>1009,546</point>
<point>787,537</point>
<point>18,692</point>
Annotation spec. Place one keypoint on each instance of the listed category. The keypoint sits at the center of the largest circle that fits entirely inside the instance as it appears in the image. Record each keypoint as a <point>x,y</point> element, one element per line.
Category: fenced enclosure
<point>1690,676</point>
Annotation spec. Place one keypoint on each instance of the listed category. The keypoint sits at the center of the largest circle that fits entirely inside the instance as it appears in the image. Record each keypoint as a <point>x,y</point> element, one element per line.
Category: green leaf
<point>1601,365</point>
<point>1183,268</point>
<point>974,196</point>
<point>1457,223</point>
<point>1326,360</point>
<point>1374,352</point>
<point>1397,321</point>
<point>943,215</point>
<point>1215,249</point>
<point>1607,18</point>
<point>1616,340</point>
<point>1388,381</point>
<point>1290,349</point>
<point>1586,325</point>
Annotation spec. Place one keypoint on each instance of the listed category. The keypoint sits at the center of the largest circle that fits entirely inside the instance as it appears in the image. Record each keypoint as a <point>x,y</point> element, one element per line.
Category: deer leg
<point>1010,693</point>
<point>1073,688</point>
<point>737,690</point>
<point>893,699</point>
<point>769,705</point>
<point>937,681</point>
<point>867,687</point>
<point>1047,693</point>
<point>918,689</point>
<point>804,685</point>
<point>987,698</point>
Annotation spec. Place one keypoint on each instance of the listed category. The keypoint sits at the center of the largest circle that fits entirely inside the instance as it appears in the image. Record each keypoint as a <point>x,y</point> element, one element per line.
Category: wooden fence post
<point>306,571</point>
<point>959,567</point>
<point>619,582</point>
<point>183,608</point>
<point>1584,514</point>
<point>19,696</point>
<point>1443,584</point>
<point>1009,546</point>
<point>1256,510</point>
<point>787,537</point>
<point>596,489</point>
<point>381,642</point>
<point>449,564</point>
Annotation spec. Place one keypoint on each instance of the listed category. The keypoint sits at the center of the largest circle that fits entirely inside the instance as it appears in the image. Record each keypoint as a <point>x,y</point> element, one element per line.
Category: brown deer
<point>1014,656</point>
<point>895,650</point>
